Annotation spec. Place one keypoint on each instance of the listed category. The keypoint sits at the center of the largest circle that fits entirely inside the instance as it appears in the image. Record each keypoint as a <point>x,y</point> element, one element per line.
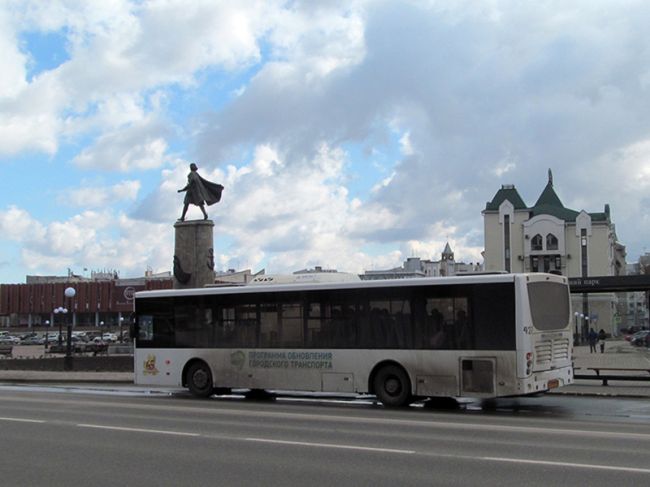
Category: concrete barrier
<point>118,363</point>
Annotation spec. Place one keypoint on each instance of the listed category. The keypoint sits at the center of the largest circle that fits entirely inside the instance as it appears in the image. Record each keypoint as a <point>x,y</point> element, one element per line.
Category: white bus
<point>480,336</point>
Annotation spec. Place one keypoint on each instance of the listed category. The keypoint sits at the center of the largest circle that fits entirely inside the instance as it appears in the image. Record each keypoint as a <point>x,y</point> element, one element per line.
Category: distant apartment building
<point>634,307</point>
<point>417,267</point>
<point>549,237</point>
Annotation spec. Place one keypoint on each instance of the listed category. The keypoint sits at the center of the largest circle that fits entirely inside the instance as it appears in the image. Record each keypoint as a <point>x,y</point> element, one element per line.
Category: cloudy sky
<point>347,134</point>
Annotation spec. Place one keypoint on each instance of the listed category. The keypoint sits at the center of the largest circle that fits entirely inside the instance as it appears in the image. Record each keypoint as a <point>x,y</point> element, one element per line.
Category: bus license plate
<point>553,384</point>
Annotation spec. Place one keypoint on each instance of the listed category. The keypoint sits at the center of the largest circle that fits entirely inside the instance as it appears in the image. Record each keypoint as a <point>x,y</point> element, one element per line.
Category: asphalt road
<point>54,438</point>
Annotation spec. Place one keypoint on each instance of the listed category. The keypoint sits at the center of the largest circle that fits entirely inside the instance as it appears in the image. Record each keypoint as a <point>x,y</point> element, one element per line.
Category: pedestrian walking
<point>601,340</point>
<point>593,339</point>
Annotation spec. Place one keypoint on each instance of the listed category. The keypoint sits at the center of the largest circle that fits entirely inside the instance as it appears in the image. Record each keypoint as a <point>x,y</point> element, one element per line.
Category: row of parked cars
<point>35,338</point>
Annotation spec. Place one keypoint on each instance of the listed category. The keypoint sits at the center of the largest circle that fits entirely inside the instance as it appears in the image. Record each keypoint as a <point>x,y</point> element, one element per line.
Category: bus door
<point>477,376</point>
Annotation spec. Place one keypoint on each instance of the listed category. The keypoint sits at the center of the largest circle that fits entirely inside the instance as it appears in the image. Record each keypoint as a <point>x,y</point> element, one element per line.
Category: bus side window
<point>226,327</point>
<point>331,325</point>
<point>438,332</point>
<point>291,327</point>
<point>390,323</point>
<point>269,331</point>
<point>246,326</point>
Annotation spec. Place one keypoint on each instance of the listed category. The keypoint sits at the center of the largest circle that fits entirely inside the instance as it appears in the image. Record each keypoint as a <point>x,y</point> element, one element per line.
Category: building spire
<point>550,177</point>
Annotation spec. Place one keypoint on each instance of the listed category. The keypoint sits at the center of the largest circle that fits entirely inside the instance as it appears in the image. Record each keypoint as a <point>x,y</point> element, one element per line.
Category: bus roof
<point>309,277</point>
<point>321,286</point>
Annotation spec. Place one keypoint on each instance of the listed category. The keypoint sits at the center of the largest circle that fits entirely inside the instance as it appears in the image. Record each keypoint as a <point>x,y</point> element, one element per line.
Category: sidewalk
<point>617,354</point>
<point>37,377</point>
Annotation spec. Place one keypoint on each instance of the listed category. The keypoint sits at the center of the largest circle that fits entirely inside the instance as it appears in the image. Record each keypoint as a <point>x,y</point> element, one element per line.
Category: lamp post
<point>67,362</point>
<point>47,331</point>
<point>60,310</point>
<point>576,335</point>
<point>587,325</point>
<point>121,332</point>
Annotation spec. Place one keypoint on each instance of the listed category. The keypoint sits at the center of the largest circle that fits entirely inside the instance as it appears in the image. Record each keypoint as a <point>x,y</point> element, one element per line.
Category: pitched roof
<point>507,192</point>
<point>548,203</point>
<point>549,197</point>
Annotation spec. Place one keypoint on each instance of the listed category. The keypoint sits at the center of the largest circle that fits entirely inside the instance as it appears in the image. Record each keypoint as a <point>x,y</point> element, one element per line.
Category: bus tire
<point>392,386</point>
<point>199,380</point>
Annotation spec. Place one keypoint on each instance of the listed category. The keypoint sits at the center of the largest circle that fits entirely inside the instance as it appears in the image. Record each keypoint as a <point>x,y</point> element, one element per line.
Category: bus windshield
<point>549,305</point>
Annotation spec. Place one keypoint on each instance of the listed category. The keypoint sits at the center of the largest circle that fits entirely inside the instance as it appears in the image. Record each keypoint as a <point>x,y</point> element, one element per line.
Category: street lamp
<point>63,311</point>
<point>67,363</point>
<point>576,335</point>
<point>47,331</point>
<point>121,332</point>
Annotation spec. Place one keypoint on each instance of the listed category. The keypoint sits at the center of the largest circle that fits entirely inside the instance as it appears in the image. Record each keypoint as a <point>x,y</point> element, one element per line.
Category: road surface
<point>49,437</point>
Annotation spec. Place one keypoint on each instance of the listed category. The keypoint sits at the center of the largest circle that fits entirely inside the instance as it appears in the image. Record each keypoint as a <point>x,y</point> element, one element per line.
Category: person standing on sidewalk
<point>601,340</point>
<point>593,338</point>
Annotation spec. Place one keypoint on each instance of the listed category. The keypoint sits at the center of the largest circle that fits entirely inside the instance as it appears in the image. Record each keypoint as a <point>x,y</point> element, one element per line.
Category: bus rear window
<point>549,305</point>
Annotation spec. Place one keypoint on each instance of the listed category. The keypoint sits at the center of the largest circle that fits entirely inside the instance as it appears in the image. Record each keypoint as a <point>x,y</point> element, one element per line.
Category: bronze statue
<point>199,191</point>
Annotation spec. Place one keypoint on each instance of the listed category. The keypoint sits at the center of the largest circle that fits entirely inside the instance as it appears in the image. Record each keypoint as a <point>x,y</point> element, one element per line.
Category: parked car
<point>631,332</point>
<point>12,340</point>
<point>33,340</point>
<point>109,337</point>
<point>639,338</point>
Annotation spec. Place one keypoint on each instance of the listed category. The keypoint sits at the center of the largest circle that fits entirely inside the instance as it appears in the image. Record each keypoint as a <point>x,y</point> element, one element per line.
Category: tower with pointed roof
<point>549,237</point>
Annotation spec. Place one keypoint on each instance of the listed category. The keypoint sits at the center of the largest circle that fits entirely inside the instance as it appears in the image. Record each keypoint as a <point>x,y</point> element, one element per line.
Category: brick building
<point>106,302</point>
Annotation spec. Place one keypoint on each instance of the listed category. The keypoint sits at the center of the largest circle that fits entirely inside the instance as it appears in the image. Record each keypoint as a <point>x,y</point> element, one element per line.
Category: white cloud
<point>98,196</point>
<point>17,224</point>
<point>137,147</point>
<point>405,144</point>
<point>117,49</point>
<point>13,73</point>
<point>88,239</point>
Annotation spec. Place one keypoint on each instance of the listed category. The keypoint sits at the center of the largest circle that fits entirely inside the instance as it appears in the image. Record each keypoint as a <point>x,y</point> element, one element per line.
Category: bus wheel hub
<point>200,378</point>
<point>392,386</point>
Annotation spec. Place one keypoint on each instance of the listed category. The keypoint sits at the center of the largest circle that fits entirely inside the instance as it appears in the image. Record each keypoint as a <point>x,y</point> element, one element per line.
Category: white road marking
<point>331,445</point>
<point>21,420</point>
<point>567,464</point>
<point>354,447</point>
<point>137,430</point>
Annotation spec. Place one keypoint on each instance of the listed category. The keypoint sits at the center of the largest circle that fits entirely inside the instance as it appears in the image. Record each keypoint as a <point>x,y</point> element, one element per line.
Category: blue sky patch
<point>47,51</point>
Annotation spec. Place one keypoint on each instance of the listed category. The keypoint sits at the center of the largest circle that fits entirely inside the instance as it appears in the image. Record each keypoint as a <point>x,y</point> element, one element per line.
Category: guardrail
<point>614,375</point>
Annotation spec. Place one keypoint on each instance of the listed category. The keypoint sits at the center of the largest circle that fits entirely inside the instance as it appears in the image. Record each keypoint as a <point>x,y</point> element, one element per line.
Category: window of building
<point>583,248</point>
<point>551,242</point>
<point>534,264</point>
<point>536,242</point>
<point>506,242</point>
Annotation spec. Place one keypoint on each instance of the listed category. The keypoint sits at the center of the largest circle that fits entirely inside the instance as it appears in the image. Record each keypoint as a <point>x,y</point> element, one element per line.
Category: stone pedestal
<point>193,254</point>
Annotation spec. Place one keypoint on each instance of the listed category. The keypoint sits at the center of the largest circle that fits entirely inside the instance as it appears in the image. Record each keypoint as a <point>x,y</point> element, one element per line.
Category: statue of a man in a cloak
<point>199,192</point>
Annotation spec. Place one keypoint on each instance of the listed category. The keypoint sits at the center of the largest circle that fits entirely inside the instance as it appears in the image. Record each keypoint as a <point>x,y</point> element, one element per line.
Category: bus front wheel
<point>199,380</point>
<point>392,386</point>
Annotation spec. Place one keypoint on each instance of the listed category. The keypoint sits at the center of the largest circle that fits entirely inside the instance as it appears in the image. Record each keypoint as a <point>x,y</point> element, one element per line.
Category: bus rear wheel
<point>199,380</point>
<point>392,386</point>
